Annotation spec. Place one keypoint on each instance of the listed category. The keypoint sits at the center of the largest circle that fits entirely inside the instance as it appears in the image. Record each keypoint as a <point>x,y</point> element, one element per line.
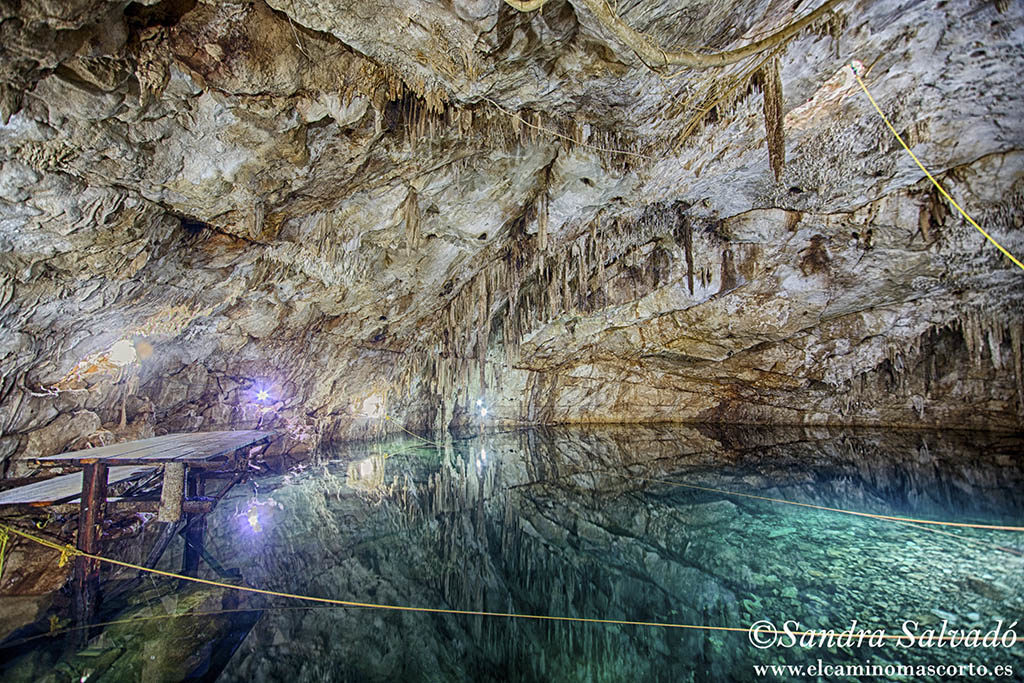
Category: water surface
<point>636,524</point>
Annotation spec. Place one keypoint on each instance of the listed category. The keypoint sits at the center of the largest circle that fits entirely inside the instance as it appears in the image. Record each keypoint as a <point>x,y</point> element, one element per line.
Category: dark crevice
<point>167,13</point>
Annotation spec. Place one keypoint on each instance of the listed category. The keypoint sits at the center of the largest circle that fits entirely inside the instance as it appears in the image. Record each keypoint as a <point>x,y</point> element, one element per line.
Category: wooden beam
<point>164,538</point>
<point>121,505</point>
<point>195,527</point>
<point>86,586</point>
<point>172,493</point>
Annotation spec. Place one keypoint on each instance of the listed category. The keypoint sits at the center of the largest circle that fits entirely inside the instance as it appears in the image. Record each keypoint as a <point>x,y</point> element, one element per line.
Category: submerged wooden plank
<point>64,488</point>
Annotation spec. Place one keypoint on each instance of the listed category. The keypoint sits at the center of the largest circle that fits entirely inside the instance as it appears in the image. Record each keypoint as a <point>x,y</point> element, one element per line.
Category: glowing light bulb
<point>483,412</point>
<point>262,395</point>
<point>254,520</point>
<point>122,353</point>
<point>479,402</point>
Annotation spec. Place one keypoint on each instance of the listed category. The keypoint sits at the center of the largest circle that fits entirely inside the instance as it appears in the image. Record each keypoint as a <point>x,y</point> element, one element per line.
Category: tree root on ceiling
<point>655,56</point>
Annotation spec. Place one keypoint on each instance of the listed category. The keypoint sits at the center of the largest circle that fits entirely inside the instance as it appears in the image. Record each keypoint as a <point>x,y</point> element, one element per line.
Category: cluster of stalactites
<point>991,341</point>
<point>986,337</point>
<point>527,285</point>
<point>429,118</point>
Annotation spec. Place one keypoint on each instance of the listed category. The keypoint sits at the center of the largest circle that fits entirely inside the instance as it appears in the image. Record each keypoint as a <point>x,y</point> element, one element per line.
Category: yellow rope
<point>890,518</point>
<point>412,434</point>
<point>407,608</point>
<point>966,539</point>
<point>67,551</point>
<point>5,535</point>
<point>870,515</point>
<point>930,177</point>
<point>914,524</point>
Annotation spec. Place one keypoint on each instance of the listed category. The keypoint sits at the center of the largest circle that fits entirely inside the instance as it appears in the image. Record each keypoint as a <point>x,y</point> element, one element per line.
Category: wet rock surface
<point>396,208</point>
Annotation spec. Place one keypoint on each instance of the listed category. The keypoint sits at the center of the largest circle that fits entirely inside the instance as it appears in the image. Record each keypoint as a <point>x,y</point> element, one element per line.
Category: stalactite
<point>995,341</point>
<point>565,298</point>
<point>259,211</point>
<point>551,292</point>
<point>685,232</point>
<point>771,88</point>
<point>523,287</point>
<point>542,220</point>
<point>411,214</point>
<point>972,335</point>
<point>482,324</point>
<point>1018,364</point>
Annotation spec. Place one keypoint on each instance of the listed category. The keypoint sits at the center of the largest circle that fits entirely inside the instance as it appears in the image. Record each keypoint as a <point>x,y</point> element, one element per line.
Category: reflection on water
<point>588,523</point>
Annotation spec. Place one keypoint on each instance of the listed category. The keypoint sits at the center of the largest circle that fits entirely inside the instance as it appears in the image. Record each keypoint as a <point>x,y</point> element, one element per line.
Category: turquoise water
<point>596,524</point>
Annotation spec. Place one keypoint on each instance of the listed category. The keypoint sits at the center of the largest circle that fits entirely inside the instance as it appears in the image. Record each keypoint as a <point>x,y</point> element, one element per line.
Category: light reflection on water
<point>583,523</point>
<point>579,523</point>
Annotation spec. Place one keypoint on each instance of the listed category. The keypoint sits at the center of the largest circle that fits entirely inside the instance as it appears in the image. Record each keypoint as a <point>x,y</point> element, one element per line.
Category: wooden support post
<point>90,527</point>
<point>172,493</point>
<point>195,527</point>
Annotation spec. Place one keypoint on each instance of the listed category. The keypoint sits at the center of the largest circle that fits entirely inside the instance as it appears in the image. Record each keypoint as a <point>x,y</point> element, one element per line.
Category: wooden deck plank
<point>194,448</point>
<point>227,443</point>
<point>212,445</point>
<point>188,444</point>
<point>152,446</point>
<point>64,488</point>
<point>114,449</point>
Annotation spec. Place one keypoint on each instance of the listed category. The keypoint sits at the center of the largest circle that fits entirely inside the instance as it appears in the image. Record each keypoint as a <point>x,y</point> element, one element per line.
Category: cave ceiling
<point>399,207</point>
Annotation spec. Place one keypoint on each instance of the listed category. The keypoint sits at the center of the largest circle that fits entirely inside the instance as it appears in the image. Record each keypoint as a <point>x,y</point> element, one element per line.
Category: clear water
<point>593,524</point>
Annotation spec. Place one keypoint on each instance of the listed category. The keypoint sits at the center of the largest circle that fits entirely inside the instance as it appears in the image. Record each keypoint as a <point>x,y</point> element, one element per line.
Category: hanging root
<point>655,56</point>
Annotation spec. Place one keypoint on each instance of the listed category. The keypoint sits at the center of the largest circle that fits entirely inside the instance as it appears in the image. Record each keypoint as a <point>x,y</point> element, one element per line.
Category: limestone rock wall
<point>312,215</point>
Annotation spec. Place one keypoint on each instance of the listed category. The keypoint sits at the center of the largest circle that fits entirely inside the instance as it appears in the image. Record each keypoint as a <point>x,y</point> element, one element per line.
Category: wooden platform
<point>199,449</point>
<point>186,461</point>
<point>64,489</point>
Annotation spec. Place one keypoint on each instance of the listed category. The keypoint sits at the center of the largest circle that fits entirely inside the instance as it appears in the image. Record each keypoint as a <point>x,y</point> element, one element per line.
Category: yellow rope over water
<point>930,177</point>
<point>351,603</point>
<point>870,515</point>
<point>413,434</point>
<point>434,610</point>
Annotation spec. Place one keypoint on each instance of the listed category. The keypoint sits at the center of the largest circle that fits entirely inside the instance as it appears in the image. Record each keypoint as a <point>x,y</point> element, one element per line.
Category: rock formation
<point>312,215</point>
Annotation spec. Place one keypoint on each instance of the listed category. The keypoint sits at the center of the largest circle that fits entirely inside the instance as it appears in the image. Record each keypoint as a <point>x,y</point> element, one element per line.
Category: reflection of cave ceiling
<point>584,523</point>
<point>401,206</point>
